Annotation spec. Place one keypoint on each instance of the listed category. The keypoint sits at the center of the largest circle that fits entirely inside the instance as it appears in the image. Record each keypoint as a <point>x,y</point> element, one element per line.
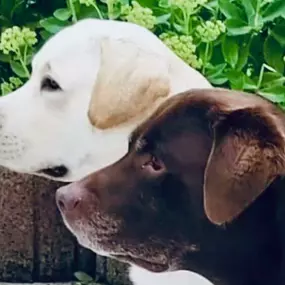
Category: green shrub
<point>238,44</point>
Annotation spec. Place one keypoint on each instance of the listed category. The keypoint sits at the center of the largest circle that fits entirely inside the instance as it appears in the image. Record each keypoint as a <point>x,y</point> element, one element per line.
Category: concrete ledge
<point>66,283</point>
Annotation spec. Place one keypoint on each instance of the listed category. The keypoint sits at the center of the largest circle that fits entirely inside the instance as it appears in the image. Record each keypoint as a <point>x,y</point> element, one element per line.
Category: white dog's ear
<point>130,80</point>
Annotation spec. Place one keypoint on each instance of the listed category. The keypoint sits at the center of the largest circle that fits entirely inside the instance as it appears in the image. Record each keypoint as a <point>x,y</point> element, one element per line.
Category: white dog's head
<point>91,84</point>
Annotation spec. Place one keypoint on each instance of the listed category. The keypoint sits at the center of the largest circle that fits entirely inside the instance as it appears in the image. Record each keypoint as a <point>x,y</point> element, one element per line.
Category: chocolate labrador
<point>200,189</point>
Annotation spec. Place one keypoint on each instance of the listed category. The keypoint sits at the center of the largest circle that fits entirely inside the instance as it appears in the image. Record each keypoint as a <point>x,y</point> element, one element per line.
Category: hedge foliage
<point>238,44</point>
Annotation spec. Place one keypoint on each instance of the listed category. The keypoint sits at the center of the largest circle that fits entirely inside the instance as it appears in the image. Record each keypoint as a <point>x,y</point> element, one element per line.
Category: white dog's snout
<point>11,147</point>
<point>2,120</point>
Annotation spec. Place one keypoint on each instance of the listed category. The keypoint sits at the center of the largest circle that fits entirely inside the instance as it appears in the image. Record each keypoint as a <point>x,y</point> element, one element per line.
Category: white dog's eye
<point>49,84</point>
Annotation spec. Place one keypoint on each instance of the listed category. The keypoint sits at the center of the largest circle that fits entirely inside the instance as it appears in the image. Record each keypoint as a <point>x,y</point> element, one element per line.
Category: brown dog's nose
<point>68,197</point>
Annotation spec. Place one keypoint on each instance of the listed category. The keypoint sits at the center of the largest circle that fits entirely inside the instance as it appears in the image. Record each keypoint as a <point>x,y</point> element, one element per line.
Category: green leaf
<point>257,22</point>
<point>124,2</point>
<point>4,21</point>
<point>231,11</point>
<point>274,10</point>
<point>212,6</point>
<point>5,57</point>
<point>19,8</point>
<point>274,83</point>
<point>62,14</point>
<point>230,50</point>
<point>273,54</point>
<point>6,7</point>
<point>163,19</point>
<point>216,74</point>
<point>249,7</point>
<point>206,52</point>
<point>178,27</point>
<point>147,3</point>
<point>252,9</point>
<point>269,76</point>
<point>29,58</point>
<point>52,25</point>
<point>90,12</point>
<point>237,27</point>
<point>45,35</point>
<point>218,81</point>
<point>275,94</point>
<point>243,55</point>
<point>272,78</point>
<point>236,78</point>
<point>83,277</point>
<point>18,69</point>
<point>249,84</point>
<point>163,4</point>
<point>278,33</point>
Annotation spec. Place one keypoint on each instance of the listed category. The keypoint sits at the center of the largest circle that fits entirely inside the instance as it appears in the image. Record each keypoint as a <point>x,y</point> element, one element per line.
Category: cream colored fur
<point>112,75</point>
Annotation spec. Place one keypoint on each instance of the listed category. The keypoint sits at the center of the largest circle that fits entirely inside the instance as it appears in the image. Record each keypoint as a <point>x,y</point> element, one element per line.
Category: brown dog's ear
<point>130,80</point>
<point>247,154</point>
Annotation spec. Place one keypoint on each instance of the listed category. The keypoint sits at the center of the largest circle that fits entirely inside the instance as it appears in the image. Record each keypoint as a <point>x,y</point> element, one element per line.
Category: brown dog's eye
<point>49,84</point>
<point>154,165</point>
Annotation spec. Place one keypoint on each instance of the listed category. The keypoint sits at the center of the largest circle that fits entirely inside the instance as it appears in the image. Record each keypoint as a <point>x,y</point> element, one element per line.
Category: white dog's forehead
<point>85,36</point>
<point>67,41</point>
<point>75,50</point>
<point>66,56</point>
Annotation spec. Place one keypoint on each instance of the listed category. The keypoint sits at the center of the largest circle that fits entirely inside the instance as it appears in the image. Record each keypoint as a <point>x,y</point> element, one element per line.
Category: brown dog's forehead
<point>211,101</point>
<point>243,127</point>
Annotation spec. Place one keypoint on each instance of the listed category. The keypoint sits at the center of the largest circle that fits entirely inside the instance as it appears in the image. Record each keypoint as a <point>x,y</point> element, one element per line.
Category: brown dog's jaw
<point>99,231</point>
<point>149,265</point>
<point>101,241</point>
<point>95,233</point>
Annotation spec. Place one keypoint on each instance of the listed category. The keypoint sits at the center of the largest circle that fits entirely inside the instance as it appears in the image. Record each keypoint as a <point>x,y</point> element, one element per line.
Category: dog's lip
<point>149,265</point>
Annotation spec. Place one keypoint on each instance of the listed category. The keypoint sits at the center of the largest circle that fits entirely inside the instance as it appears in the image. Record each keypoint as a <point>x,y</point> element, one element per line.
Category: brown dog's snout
<point>69,197</point>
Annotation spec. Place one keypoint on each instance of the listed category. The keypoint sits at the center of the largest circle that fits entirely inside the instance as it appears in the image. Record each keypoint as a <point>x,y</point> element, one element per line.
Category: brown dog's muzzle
<point>69,198</point>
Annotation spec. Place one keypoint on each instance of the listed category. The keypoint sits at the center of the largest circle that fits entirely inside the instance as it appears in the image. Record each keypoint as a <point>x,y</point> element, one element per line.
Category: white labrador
<point>91,84</point>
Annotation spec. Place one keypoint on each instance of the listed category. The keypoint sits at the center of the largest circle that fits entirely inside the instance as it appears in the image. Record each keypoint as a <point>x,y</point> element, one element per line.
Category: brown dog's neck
<point>247,251</point>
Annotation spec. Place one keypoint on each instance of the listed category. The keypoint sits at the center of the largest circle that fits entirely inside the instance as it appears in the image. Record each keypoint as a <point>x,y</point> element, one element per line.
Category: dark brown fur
<point>200,189</point>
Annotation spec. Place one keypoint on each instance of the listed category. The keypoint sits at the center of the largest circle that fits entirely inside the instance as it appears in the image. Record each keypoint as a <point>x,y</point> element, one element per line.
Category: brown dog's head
<point>205,155</point>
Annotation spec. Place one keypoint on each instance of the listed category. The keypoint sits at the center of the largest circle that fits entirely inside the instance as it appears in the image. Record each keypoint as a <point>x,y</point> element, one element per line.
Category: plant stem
<point>205,57</point>
<point>25,54</point>
<point>98,11</point>
<point>187,23</point>
<point>110,9</point>
<point>25,68</point>
<point>260,77</point>
<point>256,13</point>
<point>261,74</point>
<point>22,60</point>
<point>73,12</point>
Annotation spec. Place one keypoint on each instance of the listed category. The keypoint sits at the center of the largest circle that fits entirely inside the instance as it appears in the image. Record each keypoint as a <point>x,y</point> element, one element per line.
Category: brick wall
<point>35,246</point>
